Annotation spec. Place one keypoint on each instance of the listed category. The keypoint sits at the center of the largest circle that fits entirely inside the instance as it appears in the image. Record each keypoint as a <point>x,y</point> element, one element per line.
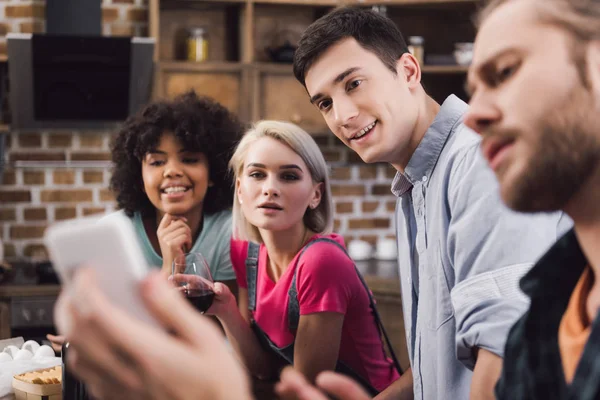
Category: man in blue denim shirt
<point>461,251</point>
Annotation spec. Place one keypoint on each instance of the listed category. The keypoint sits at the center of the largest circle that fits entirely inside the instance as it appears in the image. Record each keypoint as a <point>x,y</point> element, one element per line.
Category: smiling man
<point>461,251</point>
<point>535,81</point>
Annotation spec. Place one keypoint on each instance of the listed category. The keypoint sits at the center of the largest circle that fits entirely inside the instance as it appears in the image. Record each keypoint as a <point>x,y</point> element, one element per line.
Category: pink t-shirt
<point>326,281</point>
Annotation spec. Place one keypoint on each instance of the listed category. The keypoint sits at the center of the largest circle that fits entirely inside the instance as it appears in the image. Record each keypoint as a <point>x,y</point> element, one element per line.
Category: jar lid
<point>416,40</point>
<point>199,31</point>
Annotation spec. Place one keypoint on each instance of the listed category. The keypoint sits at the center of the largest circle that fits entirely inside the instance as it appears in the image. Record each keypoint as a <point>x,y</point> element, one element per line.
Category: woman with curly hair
<point>171,179</point>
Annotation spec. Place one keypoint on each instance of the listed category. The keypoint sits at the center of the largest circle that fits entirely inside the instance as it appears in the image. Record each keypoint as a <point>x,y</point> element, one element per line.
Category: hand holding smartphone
<point>109,246</point>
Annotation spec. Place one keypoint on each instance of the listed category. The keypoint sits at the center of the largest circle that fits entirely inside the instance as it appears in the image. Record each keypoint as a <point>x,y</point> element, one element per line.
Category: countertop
<point>380,275</point>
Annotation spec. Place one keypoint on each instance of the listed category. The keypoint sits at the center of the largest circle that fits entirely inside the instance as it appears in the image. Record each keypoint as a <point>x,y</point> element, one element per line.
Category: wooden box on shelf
<point>225,82</point>
<point>278,95</point>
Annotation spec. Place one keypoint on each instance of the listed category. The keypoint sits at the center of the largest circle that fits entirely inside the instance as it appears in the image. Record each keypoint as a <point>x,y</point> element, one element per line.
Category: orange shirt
<point>575,326</point>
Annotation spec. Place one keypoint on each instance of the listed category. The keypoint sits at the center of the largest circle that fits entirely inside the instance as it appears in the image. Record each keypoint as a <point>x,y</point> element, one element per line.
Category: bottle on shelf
<point>416,46</point>
<point>197,45</point>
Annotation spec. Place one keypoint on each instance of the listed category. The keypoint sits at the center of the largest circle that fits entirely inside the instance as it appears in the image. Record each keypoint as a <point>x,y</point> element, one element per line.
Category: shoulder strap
<point>294,307</point>
<point>251,273</point>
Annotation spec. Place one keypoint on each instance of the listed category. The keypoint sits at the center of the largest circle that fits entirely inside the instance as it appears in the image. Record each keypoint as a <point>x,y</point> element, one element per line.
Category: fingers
<point>220,289</point>
<point>165,221</point>
<point>56,342</point>
<point>98,323</point>
<point>176,314</point>
<point>341,386</point>
<point>293,386</point>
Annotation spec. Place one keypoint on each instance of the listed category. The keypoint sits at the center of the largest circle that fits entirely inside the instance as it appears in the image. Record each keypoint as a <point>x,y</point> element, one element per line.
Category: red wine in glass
<point>192,273</point>
<point>200,299</point>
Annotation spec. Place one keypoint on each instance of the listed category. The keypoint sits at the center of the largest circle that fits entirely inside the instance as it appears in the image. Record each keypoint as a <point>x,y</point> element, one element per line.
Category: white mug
<point>387,249</point>
<point>360,250</point>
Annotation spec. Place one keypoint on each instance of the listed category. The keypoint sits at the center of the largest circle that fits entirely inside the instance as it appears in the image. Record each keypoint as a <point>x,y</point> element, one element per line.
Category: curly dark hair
<point>199,124</point>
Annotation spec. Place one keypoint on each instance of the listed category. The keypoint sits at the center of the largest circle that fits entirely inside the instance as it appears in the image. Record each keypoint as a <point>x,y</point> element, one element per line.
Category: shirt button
<point>424,179</point>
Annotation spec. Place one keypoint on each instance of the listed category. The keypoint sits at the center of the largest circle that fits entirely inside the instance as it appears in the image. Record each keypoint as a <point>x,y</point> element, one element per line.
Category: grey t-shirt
<point>213,242</point>
<point>461,253</point>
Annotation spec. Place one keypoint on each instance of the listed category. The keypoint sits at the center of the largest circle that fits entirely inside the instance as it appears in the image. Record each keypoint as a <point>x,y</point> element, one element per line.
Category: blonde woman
<point>301,300</point>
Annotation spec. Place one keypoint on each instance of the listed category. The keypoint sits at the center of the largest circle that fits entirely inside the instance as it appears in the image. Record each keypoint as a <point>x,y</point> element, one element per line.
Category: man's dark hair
<point>199,124</point>
<point>370,29</point>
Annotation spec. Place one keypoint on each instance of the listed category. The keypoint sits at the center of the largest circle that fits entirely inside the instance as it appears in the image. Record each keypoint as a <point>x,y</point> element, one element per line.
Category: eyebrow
<point>336,80</point>
<point>485,66</point>
<point>286,166</point>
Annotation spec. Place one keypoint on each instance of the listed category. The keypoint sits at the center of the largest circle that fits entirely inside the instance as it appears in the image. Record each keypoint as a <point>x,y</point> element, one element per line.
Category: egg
<point>23,355</point>
<point>44,351</point>
<point>31,345</point>
<point>5,357</point>
<point>12,350</point>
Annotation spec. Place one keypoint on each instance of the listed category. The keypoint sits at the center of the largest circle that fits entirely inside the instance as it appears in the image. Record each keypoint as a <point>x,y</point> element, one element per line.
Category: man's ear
<point>408,68</point>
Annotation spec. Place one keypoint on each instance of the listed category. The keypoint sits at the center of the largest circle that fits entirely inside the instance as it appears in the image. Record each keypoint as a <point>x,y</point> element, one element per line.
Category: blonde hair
<point>319,219</point>
<point>579,18</point>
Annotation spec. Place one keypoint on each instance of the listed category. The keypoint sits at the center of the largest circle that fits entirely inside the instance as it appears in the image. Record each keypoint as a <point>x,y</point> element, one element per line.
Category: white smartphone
<point>109,245</point>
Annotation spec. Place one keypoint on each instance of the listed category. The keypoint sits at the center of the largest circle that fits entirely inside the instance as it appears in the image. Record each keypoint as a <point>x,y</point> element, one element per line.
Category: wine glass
<point>192,275</point>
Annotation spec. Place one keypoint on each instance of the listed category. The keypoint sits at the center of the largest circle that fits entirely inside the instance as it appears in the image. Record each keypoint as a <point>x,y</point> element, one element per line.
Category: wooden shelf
<point>334,3</point>
<point>274,68</point>
<point>324,3</point>
<point>9,290</point>
<point>188,66</point>
<point>282,68</point>
<point>444,69</point>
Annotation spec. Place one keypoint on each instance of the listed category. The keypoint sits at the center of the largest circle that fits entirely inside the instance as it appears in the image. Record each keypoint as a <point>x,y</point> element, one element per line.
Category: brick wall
<point>33,197</point>
<point>119,18</point>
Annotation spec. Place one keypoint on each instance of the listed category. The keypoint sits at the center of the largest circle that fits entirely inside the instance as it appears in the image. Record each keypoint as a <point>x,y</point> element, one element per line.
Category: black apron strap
<point>286,354</point>
<point>251,273</point>
<point>294,305</point>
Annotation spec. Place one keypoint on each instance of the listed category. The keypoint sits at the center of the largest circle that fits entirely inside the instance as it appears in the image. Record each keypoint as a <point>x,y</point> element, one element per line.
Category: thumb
<point>220,289</point>
<point>175,313</point>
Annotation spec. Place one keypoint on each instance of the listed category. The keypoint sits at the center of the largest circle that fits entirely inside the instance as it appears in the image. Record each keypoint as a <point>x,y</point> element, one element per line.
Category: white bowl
<point>12,350</point>
<point>23,355</point>
<point>44,351</point>
<point>31,345</point>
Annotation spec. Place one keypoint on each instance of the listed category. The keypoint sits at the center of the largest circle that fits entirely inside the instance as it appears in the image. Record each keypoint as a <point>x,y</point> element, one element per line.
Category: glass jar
<point>197,45</point>
<point>416,46</point>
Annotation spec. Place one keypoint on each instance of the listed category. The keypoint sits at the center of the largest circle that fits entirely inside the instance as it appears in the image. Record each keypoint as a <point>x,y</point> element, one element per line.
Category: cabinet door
<point>279,96</point>
<point>225,85</point>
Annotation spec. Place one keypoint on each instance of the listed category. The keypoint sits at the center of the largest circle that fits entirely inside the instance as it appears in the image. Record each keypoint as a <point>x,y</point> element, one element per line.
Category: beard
<point>565,155</point>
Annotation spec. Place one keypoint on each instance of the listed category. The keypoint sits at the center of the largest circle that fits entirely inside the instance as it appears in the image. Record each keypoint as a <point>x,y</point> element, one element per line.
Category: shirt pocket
<point>436,298</point>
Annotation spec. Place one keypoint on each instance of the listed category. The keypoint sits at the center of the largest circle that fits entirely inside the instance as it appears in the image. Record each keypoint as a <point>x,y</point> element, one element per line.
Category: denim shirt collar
<point>423,161</point>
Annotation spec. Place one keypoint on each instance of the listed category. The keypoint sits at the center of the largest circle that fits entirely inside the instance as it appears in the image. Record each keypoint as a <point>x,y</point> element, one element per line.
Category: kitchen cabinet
<point>244,35</point>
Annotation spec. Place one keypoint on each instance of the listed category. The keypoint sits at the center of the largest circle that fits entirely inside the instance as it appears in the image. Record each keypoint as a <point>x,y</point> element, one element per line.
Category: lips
<point>174,188</point>
<point>493,148</point>
<point>271,206</point>
<point>364,131</point>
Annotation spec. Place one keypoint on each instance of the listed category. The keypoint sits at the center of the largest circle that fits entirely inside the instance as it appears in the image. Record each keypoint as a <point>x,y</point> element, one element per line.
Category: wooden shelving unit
<point>444,69</point>
<point>240,73</point>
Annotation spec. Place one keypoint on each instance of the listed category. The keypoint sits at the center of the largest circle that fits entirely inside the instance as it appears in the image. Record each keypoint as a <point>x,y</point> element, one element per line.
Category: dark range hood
<point>74,78</point>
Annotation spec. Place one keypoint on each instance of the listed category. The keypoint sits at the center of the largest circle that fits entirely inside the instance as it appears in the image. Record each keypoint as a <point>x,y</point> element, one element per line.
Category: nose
<point>172,170</point>
<point>270,187</point>
<point>482,114</point>
<point>344,111</point>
